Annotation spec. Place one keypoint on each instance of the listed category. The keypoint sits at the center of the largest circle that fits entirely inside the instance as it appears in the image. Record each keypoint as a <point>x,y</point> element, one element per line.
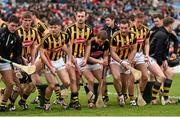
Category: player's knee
<point>37,82</point>
<point>160,78</point>
<point>131,80</point>
<point>10,84</point>
<point>90,81</point>
<point>52,86</point>
<point>144,76</point>
<point>66,84</point>
<point>73,81</point>
<point>32,87</point>
<point>116,77</point>
<point>145,79</point>
<point>104,82</point>
<point>170,75</point>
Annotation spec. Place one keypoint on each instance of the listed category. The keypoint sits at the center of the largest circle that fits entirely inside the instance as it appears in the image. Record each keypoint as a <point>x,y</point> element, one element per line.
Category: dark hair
<point>160,16</point>
<point>139,15</point>
<point>80,10</point>
<point>167,21</point>
<point>131,17</point>
<point>27,14</point>
<point>13,19</point>
<point>54,22</point>
<point>111,16</point>
<point>102,35</point>
<point>124,21</point>
<point>36,13</point>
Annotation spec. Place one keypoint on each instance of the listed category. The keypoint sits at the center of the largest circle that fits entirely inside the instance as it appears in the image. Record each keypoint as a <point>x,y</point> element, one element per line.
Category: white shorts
<point>139,58</point>
<point>5,66</point>
<point>122,69</point>
<point>94,67</point>
<point>59,64</point>
<point>79,63</point>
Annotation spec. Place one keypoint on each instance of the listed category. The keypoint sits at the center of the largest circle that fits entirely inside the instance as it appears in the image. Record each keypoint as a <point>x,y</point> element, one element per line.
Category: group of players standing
<point>77,52</point>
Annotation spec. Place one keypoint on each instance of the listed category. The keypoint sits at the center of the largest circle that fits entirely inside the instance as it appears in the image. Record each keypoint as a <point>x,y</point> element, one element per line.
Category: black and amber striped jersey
<point>123,44</point>
<point>41,28</point>
<point>54,45</point>
<point>142,34</point>
<point>79,37</point>
<point>3,24</point>
<point>27,39</point>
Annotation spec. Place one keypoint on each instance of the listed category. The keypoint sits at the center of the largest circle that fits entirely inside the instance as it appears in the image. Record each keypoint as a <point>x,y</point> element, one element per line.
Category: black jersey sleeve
<point>17,51</point>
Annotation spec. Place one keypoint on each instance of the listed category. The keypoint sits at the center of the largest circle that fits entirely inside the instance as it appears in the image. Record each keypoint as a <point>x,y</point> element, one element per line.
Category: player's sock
<point>155,89</point>
<point>167,85</point>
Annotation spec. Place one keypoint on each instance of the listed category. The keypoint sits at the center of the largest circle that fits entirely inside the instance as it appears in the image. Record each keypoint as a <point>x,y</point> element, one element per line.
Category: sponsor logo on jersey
<point>79,40</point>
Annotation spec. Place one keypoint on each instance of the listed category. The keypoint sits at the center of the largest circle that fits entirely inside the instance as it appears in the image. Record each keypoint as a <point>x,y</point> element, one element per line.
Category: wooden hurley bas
<point>28,69</point>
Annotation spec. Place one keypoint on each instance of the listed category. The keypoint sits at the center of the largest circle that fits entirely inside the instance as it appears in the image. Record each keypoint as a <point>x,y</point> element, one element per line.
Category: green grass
<point>112,110</point>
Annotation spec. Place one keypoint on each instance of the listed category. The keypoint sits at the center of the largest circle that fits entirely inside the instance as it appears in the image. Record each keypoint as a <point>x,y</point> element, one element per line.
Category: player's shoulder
<point>39,21</point>
<point>93,40</point>
<point>2,22</point>
<point>19,28</point>
<point>42,24</point>
<point>161,33</point>
<point>88,26</point>
<point>47,35</point>
<point>145,27</point>
<point>116,33</point>
<point>33,29</point>
<point>63,32</point>
<point>131,32</point>
<point>3,32</point>
<point>132,26</point>
<point>71,25</point>
<point>2,29</point>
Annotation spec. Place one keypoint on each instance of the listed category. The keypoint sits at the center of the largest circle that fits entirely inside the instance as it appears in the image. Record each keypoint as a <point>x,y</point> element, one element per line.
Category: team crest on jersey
<point>79,40</point>
<point>93,46</point>
<point>131,40</point>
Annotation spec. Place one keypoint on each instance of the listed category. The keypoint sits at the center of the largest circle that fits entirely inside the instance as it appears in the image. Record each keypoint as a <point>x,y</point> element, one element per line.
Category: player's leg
<point>64,77</point>
<point>49,90</point>
<point>97,73</point>
<point>155,69</point>
<point>143,68</point>
<point>141,65</point>
<point>167,84</point>
<point>74,100</point>
<point>90,84</point>
<point>7,78</point>
<point>116,71</point>
<point>37,80</point>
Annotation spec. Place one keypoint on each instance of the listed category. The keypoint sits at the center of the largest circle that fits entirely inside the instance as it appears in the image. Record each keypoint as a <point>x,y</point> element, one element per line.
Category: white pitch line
<point>111,93</point>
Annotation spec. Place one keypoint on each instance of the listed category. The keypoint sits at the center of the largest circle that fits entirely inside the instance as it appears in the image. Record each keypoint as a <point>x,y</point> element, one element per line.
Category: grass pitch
<point>112,110</point>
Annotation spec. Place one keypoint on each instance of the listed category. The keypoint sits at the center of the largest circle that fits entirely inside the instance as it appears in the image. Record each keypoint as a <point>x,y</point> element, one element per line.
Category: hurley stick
<point>28,69</point>
<point>100,102</point>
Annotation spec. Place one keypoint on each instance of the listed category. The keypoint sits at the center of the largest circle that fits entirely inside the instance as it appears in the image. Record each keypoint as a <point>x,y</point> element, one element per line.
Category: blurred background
<point>97,9</point>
